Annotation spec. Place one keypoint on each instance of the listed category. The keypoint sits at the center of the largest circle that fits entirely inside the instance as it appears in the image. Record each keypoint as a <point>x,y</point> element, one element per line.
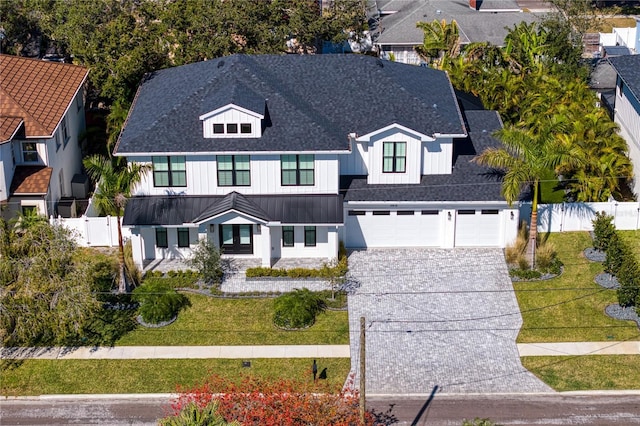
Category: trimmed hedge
<point>327,271</point>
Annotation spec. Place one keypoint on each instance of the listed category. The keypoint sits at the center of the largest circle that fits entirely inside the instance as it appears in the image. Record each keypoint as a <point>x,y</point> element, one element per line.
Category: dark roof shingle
<point>628,68</point>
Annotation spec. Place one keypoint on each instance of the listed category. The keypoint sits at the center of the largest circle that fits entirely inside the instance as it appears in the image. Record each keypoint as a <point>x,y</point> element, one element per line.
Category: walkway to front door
<point>236,239</point>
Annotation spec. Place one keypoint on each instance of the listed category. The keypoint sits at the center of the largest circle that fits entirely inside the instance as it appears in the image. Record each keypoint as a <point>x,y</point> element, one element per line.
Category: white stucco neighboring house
<point>273,156</point>
<point>41,119</point>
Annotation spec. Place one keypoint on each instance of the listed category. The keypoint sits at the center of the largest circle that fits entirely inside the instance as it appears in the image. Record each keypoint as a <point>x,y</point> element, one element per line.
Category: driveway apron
<point>436,317</point>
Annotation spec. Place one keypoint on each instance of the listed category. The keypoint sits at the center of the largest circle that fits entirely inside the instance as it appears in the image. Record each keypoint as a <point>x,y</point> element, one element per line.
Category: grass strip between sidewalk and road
<point>570,308</point>
<point>592,372</point>
<point>42,377</point>
<point>211,321</point>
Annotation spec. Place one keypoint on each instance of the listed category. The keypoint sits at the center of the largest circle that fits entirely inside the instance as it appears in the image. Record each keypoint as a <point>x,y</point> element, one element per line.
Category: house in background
<point>273,156</point>
<point>395,34</point>
<point>626,108</point>
<point>41,118</point>
<point>625,39</point>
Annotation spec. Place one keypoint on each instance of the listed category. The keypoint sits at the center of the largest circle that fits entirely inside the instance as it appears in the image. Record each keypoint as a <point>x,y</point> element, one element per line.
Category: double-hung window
<point>29,152</point>
<point>161,238</point>
<point>287,236</point>
<point>169,171</point>
<point>234,170</point>
<point>65,132</point>
<point>309,236</point>
<point>394,157</point>
<point>297,170</point>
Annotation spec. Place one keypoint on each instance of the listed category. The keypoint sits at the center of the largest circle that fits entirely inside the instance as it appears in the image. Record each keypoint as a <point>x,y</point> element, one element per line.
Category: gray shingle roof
<point>312,102</point>
<point>475,26</point>
<point>628,68</point>
<point>185,209</point>
<point>468,182</point>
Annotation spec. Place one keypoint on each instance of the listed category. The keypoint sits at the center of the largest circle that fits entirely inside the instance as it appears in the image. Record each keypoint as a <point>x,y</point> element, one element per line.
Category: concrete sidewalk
<point>178,352</point>
<point>579,348</point>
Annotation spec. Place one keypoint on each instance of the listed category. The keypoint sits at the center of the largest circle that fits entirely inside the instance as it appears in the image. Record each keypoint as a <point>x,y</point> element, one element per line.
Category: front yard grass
<point>574,373</point>
<point>41,377</point>
<point>213,321</point>
<point>570,308</point>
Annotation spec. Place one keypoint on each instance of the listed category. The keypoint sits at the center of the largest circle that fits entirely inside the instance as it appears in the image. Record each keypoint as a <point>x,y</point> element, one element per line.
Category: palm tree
<point>526,157</point>
<point>441,40</point>
<point>116,180</point>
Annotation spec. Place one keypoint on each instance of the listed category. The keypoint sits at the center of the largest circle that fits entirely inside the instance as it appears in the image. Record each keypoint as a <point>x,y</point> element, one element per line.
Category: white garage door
<point>385,228</point>
<point>477,228</point>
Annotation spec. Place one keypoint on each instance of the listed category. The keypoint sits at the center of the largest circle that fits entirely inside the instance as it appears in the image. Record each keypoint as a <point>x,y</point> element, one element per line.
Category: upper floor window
<point>231,128</point>
<point>297,170</point>
<point>29,152</point>
<point>169,171</point>
<point>58,141</point>
<point>234,170</point>
<point>394,157</point>
<point>65,132</point>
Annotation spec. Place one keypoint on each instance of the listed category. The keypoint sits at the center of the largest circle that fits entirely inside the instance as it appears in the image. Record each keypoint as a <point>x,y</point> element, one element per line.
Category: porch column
<point>137,246</point>
<point>265,232</point>
<point>334,242</point>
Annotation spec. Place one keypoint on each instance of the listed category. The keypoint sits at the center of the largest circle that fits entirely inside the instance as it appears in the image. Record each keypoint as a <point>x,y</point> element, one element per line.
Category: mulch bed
<point>626,314</point>
<point>595,255</point>
<point>607,280</point>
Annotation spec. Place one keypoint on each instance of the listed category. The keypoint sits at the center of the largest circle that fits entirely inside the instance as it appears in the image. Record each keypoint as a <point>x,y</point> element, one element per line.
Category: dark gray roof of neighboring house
<point>467,182</point>
<point>184,209</point>
<point>616,51</point>
<point>312,103</point>
<point>475,26</point>
<point>603,76</point>
<point>628,68</point>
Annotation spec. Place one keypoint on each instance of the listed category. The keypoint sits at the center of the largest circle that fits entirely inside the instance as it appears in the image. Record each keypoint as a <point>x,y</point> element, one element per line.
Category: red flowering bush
<point>257,401</point>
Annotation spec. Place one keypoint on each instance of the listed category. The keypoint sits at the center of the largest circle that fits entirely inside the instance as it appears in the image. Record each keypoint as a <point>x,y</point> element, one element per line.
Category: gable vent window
<point>394,157</point>
<point>232,128</point>
<point>245,128</point>
<point>169,171</point>
<point>234,170</point>
<point>218,128</point>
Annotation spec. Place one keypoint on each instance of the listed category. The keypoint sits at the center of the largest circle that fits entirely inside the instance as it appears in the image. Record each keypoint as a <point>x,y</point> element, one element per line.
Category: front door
<point>236,239</point>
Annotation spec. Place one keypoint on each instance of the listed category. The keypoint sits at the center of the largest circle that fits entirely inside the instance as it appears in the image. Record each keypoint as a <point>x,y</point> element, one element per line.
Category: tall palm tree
<point>441,40</point>
<point>116,180</point>
<point>526,157</point>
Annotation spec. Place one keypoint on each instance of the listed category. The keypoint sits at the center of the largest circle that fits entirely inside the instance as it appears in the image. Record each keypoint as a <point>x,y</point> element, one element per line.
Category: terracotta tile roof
<point>8,126</point>
<point>31,180</point>
<point>38,91</point>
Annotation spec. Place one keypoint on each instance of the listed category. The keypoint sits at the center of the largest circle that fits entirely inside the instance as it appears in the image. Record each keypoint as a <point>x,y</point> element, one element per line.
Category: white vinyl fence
<point>93,231</point>
<point>578,216</point>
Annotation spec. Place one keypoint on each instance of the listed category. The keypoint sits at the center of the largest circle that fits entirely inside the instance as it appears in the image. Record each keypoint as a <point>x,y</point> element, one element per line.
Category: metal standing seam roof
<point>38,91</point>
<point>313,102</point>
<point>189,209</point>
<point>628,68</point>
<point>467,182</point>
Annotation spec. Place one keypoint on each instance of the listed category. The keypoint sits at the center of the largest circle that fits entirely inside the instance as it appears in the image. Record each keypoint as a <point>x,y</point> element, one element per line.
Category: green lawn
<point>41,377</point>
<point>600,372</point>
<point>571,306</point>
<point>632,238</point>
<point>215,321</point>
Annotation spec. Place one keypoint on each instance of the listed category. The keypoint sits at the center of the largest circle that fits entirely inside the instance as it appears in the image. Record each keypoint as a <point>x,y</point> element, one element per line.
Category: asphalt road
<point>523,409</point>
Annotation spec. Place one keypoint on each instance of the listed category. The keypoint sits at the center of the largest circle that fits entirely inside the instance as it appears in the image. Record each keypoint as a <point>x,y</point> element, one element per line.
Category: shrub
<point>617,251</point>
<point>192,414</point>
<point>545,256</point>
<point>133,273</point>
<point>158,301</point>
<point>603,230</point>
<point>523,263</point>
<point>629,278</point>
<point>525,274</point>
<point>513,252</point>
<point>206,260</point>
<point>297,309</point>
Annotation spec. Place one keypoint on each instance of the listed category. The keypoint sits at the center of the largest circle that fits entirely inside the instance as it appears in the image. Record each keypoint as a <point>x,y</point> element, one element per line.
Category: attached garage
<point>393,228</point>
<point>477,228</point>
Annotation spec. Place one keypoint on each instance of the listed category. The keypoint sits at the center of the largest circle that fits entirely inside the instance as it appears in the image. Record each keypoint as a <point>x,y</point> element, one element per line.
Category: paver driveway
<point>437,317</point>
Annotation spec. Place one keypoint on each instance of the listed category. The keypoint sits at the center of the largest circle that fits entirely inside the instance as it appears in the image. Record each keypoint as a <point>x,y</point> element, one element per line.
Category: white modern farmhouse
<point>284,156</point>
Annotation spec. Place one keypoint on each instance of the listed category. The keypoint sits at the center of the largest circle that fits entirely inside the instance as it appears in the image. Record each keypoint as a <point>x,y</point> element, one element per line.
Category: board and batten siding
<point>437,157</point>
<point>202,177</point>
<point>355,163</point>
<point>233,116</point>
<point>413,158</point>
<point>627,116</point>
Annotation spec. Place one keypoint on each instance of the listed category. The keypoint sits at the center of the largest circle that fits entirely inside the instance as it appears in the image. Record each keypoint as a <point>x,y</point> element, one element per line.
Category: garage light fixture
<point>512,215</point>
<point>449,215</point>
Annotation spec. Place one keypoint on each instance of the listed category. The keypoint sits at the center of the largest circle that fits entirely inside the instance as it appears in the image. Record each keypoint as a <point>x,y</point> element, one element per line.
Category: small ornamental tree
<point>603,230</point>
<point>629,278</point>
<point>617,251</point>
<point>206,260</point>
<point>257,401</point>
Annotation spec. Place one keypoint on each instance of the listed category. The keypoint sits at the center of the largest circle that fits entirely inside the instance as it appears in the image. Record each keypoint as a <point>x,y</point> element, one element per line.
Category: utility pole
<point>363,407</point>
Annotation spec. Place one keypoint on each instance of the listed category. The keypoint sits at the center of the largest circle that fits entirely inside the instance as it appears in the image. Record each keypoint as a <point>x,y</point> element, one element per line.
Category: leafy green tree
<point>115,183</point>
<point>297,309</point>
<point>159,302</point>
<point>205,259</point>
<point>526,157</point>
<point>441,41</point>
<point>45,296</point>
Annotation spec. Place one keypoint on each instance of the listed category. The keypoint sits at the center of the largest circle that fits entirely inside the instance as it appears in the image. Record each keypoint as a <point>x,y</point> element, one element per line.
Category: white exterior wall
<point>628,118</point>
<point>355,163</point>
<point>438,157</point>
<point>326,243</point>
<point>403,54</point>
<point>413,159</point>
<point>7,168</point>
<point>202,177</point>
<point>232,115</point>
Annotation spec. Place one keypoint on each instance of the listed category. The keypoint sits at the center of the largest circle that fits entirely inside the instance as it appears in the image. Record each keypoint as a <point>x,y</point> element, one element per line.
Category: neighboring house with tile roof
<point>275,156</point>
<point>395,33</point>
<point>41,118</point>
<point>626,108</point>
